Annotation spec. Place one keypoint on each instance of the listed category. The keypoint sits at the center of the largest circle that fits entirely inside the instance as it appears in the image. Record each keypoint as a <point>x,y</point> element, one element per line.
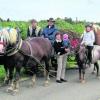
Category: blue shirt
<point>49,32</point>
<point>66,43</point>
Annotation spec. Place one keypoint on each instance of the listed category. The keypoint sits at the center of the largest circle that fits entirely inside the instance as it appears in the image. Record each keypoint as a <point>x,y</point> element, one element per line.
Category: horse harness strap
<point>14,50</point>
<point>30,47</point>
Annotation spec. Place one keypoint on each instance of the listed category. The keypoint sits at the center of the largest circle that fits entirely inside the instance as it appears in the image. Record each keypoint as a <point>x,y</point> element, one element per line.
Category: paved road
<point>72,90</point>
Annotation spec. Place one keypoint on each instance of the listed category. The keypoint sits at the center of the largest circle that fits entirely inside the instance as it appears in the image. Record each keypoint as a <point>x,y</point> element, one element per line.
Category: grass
<point>2,73</point>
<point>71,63</point>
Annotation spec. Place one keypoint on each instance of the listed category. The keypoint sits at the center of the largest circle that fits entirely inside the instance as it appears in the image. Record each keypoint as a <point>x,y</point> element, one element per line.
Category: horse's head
<point>8,36</point>
<point>81,53</point>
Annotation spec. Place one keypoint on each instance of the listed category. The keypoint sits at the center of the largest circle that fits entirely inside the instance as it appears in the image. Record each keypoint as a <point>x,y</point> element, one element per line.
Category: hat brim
<point>88,26</point>
<point>50,20</point>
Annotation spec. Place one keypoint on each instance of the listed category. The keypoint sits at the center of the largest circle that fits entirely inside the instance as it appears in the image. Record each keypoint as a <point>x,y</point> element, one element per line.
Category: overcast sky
<point>43,9</point>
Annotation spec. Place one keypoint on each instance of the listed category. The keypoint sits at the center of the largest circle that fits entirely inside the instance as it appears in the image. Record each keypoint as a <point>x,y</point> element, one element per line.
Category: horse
<point>28,53</point>
<point>81,58</point>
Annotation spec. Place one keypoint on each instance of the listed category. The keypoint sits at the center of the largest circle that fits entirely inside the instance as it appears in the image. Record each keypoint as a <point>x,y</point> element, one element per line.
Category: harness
<point>13,51</point>
<point>30,47</point>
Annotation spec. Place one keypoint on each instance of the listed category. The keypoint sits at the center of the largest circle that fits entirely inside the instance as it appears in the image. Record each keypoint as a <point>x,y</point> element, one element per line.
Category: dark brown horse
<point>32,51</point>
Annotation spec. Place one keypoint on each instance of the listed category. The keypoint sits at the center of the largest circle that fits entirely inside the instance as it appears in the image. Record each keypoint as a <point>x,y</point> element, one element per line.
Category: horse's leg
<point>16,79</point>
<point>11,72</point>
<point>83,73</point>
<point>80,71</point>
<point>34,71</point>
<point>80,78</point>
<point>97,67</point>
<point>94,69</point>
<point>47,71</point>
<point>6,80</point>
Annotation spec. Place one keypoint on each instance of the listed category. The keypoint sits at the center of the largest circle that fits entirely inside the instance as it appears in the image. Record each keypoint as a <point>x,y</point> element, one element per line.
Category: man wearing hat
<point>50,30</point>
<point>88,40</point>
<point>33,30</point>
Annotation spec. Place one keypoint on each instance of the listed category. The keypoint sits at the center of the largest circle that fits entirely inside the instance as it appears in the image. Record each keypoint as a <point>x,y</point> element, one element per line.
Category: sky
<point>43,9</point>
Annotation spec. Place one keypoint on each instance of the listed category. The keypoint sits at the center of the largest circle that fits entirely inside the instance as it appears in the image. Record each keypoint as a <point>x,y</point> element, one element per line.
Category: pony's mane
<point>96,27</point>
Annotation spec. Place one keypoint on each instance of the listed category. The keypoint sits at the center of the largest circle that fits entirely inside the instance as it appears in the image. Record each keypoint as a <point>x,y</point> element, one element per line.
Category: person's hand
<point>66,50</point>
<point>83,44</point>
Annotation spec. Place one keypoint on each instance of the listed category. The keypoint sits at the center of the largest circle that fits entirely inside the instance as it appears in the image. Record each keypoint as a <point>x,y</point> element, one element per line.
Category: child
<point>61,59</point>
<point>66,42</point>
<point>88,39</point>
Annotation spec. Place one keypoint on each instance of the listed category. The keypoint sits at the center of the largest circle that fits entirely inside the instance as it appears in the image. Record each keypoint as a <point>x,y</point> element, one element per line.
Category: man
<point>33,30</point>
<point>50,30</point>
<point>88,40</point>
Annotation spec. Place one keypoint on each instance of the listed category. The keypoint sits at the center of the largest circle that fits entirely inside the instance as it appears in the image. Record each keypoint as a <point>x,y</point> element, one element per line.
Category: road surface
<point>72,90</point>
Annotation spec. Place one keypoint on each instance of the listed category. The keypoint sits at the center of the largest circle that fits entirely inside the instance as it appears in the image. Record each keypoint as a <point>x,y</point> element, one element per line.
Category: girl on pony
<point>88,40</point>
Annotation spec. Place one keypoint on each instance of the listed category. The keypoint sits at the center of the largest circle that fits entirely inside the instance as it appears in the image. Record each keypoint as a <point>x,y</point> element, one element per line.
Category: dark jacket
<point>33,32</point>
<point>59,48</point>
<point>50,33</point>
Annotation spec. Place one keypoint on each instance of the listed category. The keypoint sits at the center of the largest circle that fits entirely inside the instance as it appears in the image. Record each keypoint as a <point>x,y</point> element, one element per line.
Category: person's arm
<point>40,33</point>
<point>93,37</point>
<point>83,39</point>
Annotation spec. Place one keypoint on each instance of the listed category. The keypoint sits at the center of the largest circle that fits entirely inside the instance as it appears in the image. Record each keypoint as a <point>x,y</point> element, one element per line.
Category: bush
<point>60,23</point>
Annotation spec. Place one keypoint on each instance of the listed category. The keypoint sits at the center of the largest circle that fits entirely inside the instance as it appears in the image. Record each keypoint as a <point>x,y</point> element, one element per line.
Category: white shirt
<point>88,38</point>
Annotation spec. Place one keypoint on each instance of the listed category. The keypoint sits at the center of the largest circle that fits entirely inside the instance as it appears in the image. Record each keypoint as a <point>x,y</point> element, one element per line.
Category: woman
<point>61,58</point>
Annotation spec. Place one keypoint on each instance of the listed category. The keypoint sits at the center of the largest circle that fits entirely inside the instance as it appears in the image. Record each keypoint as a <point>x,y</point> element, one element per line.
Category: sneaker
<point>63,80</point>
<point>58,81</point>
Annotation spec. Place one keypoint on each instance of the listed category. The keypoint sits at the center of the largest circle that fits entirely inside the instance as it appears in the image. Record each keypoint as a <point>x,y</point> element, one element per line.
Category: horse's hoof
<point>93,72</point>
<point>16,90</point>
<point>98,77</point>
<point>6,82</point>
<point>80,80</point>
<point>46,83</point>
<point>10,89</point>
<point>32,84</point>
<point>83,81</point>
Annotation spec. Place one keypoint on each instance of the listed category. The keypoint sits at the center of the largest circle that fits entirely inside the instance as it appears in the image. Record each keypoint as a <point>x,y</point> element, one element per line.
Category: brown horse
<point>32,51</point>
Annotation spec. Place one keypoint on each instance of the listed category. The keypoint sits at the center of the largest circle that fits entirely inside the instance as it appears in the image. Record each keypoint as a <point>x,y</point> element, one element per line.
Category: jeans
<point>89,48</point>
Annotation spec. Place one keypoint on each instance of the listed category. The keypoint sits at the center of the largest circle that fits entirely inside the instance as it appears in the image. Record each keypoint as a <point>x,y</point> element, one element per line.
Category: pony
<point>81,55</point>
<point>27,53</point>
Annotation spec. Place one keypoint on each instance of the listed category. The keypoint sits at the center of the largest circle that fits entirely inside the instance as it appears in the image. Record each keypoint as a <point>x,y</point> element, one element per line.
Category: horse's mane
<point>9,35</point>
<point>96,27</point>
